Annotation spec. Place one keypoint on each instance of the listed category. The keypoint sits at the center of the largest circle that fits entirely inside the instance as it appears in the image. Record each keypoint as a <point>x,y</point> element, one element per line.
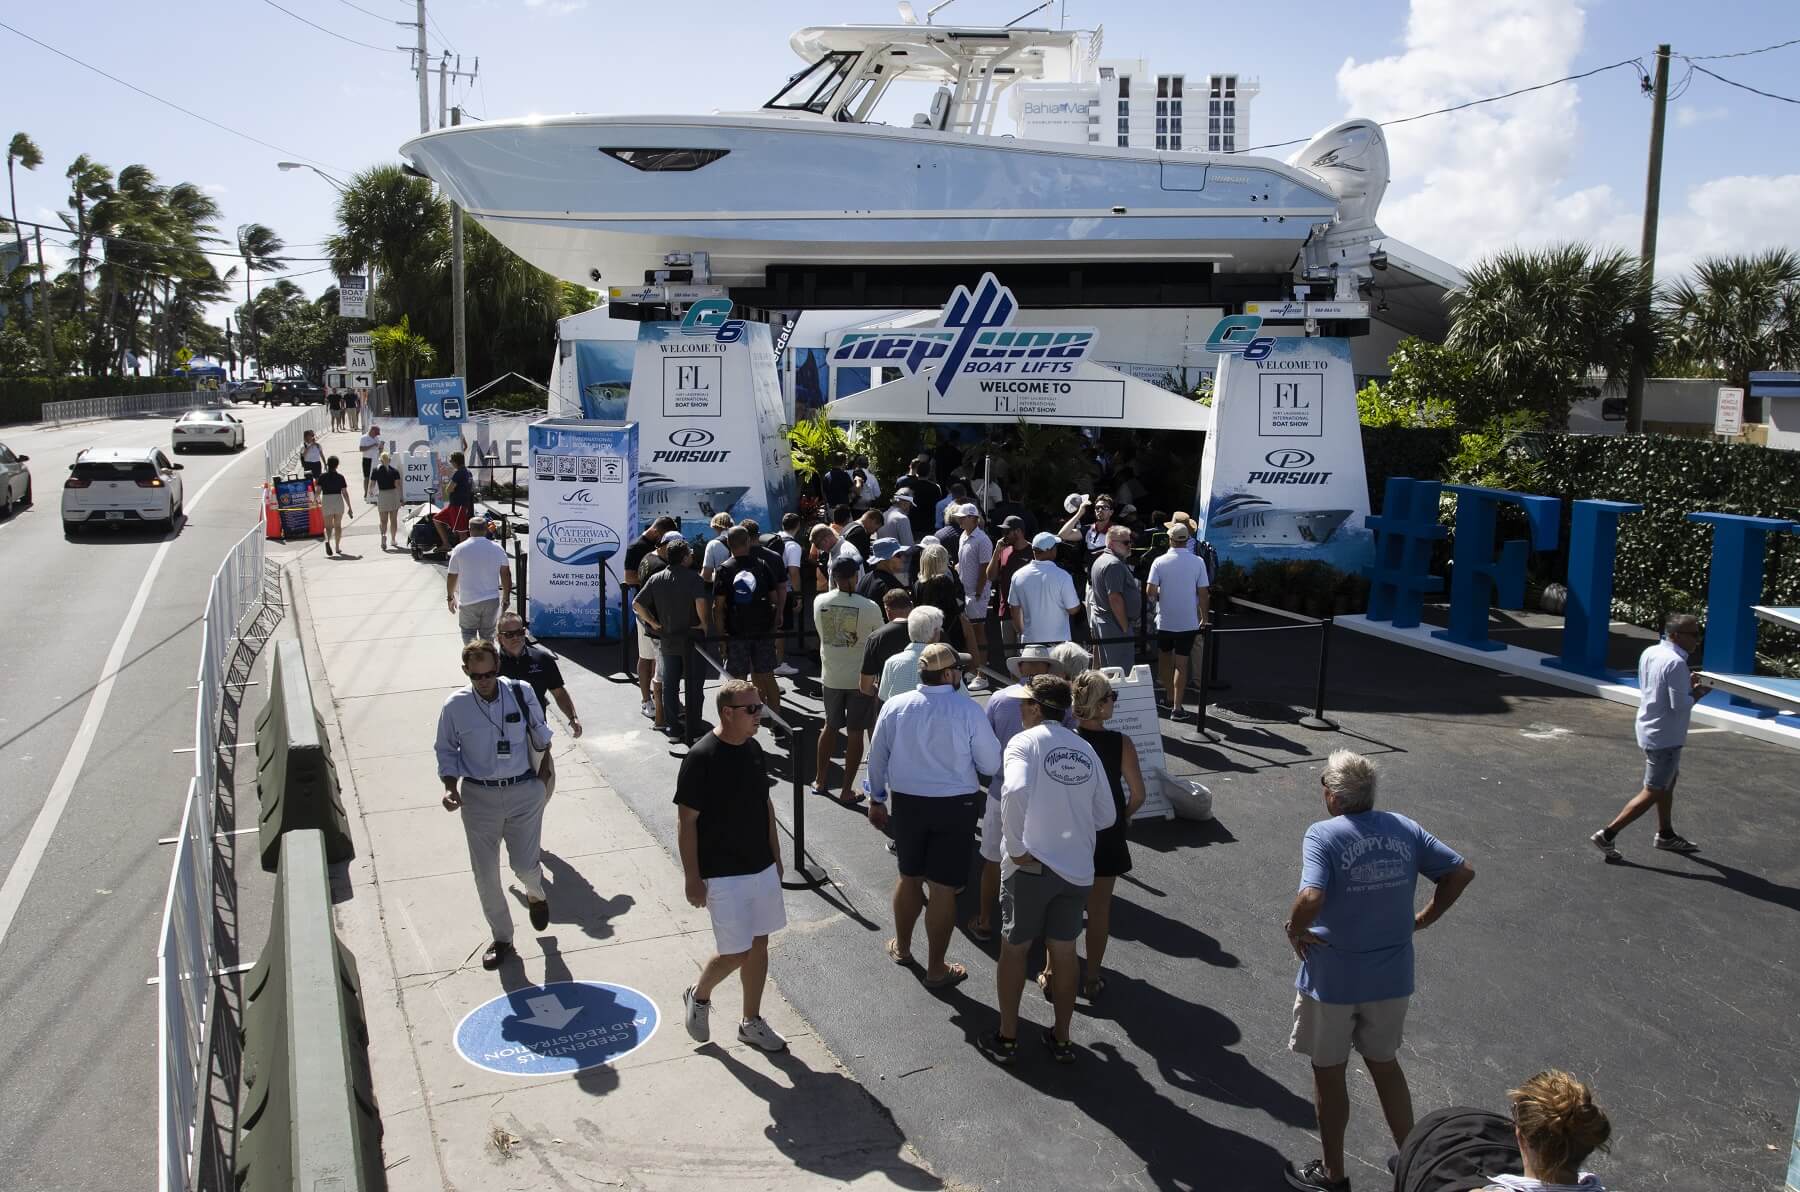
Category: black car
<point>297,393</point>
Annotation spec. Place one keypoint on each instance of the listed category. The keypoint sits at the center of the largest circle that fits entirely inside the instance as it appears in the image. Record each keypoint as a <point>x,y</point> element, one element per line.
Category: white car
<point>207,428</point>
<point>121,486</point>
<point>15,481</point>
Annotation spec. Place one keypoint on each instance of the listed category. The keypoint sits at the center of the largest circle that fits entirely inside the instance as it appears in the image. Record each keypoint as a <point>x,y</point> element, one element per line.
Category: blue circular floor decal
<point>565,1026</point>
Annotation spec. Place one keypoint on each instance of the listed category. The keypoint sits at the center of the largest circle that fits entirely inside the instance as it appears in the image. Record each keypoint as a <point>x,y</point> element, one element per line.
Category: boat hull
<point>806,192</point>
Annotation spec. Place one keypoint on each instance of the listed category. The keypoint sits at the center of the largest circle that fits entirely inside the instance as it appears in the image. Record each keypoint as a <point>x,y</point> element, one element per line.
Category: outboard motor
<point>1352,159</point>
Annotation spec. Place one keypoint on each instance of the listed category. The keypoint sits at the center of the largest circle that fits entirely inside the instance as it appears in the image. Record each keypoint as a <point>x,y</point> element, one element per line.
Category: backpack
<point>1457,1150</point>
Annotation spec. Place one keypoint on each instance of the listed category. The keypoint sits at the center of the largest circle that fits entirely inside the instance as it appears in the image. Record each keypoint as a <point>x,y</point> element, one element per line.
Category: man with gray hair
<point>1114,601</point>
<point>924,625</point>
<point>478,582</point>
<point>1666,694</point>
<point>1352,927</point>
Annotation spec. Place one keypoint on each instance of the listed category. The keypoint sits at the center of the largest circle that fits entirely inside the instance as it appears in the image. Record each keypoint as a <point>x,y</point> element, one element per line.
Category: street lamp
<point>300,165</point>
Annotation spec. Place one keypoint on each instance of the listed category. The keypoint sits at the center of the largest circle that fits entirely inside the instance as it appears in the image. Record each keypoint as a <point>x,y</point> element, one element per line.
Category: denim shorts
<point>1660,767</point>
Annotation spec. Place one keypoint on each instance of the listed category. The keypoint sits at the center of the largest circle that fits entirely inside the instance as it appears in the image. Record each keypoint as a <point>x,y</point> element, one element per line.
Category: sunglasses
<point>752,709</point>
<point>479,676</point>
<point>512,633</point>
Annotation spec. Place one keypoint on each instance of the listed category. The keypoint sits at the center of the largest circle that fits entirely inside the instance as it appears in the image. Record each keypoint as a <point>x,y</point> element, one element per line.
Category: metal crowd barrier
<point>282,446</point>
<point>92,409</point>
<point>187,950</point>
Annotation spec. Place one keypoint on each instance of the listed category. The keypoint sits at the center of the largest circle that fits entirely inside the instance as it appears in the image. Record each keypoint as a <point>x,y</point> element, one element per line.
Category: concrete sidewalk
<point>668,1114</point>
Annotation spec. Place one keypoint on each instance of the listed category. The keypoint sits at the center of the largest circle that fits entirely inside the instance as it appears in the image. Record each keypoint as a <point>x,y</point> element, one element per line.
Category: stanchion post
<point>1317,719</point>
<point>521,576</point>
<point>1201,732</point>
<point>627,633</point>
<point>802,742</point>
<point>696,692</point>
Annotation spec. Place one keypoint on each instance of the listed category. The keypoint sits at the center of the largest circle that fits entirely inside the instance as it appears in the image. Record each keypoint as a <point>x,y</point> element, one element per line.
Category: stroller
<point>422,536</point>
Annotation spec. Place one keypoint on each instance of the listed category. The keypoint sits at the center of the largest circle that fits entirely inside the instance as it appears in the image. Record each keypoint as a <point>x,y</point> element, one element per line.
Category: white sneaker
<point>648,709</point>
<point>699,1026</point>
<point>978,683</point>
<point>758,1033</point>
<point>786,670</point>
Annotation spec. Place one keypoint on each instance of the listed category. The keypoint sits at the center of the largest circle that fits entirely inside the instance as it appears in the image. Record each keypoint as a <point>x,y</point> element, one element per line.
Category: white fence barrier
<point>284,444</point>
<point>187,948</point>
<point>89,409</point>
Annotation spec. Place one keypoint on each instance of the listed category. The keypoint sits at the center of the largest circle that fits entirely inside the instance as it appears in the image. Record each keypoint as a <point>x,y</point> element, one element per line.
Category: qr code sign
<point>612,469</point>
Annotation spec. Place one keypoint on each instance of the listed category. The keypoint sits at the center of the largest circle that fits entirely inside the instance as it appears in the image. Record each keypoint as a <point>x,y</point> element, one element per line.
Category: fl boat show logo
<point>975,335</point>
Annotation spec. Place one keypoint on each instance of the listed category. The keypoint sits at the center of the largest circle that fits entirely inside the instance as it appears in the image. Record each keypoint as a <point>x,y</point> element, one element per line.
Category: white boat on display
<point>1256,521</point>
<point>691,505</point>
<point>814,178</point>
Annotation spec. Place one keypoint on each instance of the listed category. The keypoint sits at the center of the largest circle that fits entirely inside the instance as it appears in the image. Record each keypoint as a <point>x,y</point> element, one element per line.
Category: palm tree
<point>401,226</point>
<point>1733,315</point>
<point>261,249</point>
<point>22,150</point>
<point>401,356</point>
<point>89,182</point>
<point>1538,322</point>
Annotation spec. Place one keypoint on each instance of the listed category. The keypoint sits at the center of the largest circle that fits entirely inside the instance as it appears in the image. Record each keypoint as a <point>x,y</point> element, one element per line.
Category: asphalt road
<point>1666,981</point>
<point>78,1105</point>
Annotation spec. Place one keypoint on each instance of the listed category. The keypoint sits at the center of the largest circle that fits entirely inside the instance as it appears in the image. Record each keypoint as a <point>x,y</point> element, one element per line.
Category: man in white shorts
<point>731,861</point>
<point>1352,927</point>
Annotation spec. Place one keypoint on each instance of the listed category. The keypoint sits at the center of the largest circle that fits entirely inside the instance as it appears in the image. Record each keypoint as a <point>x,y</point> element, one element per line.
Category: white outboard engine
<point>1352,159</point>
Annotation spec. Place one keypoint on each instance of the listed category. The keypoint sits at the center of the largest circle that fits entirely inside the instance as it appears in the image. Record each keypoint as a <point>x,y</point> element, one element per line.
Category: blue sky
<point>1567,162</point>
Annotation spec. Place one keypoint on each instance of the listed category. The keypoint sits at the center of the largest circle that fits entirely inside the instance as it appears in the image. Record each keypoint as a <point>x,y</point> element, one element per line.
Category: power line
<point>1780,45</point>
<point>207,252</point>
<point>1746,86</point>
<point>166,103</point>
<point>1473,102</point>
<point>432,21</point>
<point>331,32</point>
<point>359,8</point>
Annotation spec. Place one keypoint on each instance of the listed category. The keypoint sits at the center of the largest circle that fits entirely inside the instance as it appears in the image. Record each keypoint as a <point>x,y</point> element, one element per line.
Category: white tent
<point>1094,396</point>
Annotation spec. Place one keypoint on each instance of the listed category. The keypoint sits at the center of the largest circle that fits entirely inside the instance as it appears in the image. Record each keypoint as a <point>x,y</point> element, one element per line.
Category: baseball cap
<point>884,548</point>
<point>845,565</point>
<point>905,494</point>
<point>940,656</point>
<point>479,519</point>
<point>1044,541</point>
<point>1013,522</point>
<point>670,536</point>
<point>1178,532</point>
<point>968,511</point>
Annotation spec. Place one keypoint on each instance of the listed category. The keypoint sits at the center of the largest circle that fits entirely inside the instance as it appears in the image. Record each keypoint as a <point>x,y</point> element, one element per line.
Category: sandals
<point>1062,1053</point>
<point>904,959</point>
<point>999,1048</point>
<point>1092,988</point>
<point>977,931</point>
<point>954,974</point>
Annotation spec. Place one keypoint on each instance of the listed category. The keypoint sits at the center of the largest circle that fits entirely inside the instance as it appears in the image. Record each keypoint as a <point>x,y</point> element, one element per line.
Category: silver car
<point>15,481</point>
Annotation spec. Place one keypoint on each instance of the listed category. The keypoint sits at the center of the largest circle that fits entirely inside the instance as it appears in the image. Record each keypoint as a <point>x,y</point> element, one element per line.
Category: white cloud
<point>1498,176</point>
<point>1686,117</point>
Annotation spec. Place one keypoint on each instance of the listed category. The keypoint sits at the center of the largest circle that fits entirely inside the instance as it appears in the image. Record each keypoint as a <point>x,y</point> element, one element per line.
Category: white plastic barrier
<point>187,951</point>
<point>284,445</point>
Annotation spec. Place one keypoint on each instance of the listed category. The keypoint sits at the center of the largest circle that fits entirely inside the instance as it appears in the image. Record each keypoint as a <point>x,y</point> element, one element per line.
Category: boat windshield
<point>813,88</point>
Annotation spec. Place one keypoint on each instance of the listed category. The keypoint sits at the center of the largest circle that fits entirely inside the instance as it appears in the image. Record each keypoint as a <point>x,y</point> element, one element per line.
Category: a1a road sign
<point>362,359</point>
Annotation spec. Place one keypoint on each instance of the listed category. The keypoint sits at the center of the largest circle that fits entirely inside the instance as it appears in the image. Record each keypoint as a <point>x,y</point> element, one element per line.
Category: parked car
<point>207,428</point>
<point>121,486</point>
<point>251,390</point>
<point>15,481</point>
<point>297,393</point>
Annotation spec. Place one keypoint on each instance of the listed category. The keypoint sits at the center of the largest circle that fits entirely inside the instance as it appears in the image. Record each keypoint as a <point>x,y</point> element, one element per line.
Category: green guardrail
<point>296,781</point>
<point>307,1117</point>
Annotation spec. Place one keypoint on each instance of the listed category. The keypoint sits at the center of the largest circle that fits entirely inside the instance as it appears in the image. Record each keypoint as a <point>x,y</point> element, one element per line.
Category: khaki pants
<point>515,814</point>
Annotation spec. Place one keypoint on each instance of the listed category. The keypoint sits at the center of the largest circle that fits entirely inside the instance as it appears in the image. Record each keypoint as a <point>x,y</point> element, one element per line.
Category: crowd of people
<point>1027,797</point>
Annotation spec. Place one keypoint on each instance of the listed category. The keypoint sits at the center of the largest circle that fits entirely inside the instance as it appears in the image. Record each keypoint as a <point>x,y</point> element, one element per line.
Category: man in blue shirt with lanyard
<point>485,735</point>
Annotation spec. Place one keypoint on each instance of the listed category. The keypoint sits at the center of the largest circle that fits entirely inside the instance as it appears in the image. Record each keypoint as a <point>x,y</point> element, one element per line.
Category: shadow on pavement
<point>1736,880</point>
<point>573,899</point>
<point>811,1123</point>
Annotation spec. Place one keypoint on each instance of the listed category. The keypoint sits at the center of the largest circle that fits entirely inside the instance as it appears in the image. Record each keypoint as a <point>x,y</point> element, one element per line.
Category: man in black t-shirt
<point>887,563</point>
<point>834,485</point>
<point>925,497</point>
<point>649,543</point>
<point>744,590</point>
<point>731,861</point>
<point>533,664</point>
<point>887,641</point>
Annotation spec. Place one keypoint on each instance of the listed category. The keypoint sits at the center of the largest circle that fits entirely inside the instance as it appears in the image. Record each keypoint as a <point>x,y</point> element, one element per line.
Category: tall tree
<point>89,182</point>
<point>261,249</point>
<point>1733,315</point>
<point>1538,322</point>
<point>20,149</point>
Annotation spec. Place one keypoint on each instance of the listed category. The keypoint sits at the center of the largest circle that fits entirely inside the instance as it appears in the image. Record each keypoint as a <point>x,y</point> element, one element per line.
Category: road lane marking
<point>12,892</point>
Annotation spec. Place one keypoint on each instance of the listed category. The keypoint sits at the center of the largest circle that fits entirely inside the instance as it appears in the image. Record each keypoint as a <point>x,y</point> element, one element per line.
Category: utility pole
<point>43,305</point>
<point>424,67</point>
<point>459,317</point>
<point>1640,352</point>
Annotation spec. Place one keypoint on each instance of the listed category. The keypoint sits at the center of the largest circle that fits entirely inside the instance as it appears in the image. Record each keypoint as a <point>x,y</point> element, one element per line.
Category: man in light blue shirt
<point>485,735</point>
<point>1666,694</point>
<point>931,748</point>
<point>1352,927</point>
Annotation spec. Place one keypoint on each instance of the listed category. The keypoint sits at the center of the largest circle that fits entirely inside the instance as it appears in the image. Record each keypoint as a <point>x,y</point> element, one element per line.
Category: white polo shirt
<point>1043,593</point>
<point>477,563</point>
<point>1054,798</point>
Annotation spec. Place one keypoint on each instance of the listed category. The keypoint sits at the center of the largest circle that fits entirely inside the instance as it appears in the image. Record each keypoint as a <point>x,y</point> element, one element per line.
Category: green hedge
<point>1419,452</point>
<point>22,398</point>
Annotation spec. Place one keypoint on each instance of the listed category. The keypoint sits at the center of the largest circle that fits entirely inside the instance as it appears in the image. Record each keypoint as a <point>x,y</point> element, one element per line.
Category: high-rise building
<point>1129,105</point>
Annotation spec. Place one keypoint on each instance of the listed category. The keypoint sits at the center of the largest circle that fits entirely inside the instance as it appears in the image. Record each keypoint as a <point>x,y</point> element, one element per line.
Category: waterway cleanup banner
<point>583,508</point>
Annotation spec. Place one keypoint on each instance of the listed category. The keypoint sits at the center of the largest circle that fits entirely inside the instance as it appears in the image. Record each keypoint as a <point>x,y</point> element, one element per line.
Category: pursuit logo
<point>689,445</point>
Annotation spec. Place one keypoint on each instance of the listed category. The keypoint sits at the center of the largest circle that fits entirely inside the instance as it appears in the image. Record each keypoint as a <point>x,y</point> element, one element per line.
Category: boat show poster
<point>583,508</point>
<point>1282,473</point>
<point>603,376</point>
<point>712,432</point>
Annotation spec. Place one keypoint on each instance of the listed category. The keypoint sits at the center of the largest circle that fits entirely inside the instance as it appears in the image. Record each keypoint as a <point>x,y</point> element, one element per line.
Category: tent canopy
<point>1094,396</point>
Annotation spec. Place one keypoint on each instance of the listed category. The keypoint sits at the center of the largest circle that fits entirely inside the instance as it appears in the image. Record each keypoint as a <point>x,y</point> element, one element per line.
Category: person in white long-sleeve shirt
<point>931,747</point>
<point>1667,691</point>
<point>1054,798</point>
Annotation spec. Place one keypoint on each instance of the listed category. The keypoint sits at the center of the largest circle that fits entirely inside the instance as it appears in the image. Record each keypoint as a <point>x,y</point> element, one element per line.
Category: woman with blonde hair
<point>385,478</point>
<point>937,588</point>
<point>1558,1126</point>
<point>1094,702</point>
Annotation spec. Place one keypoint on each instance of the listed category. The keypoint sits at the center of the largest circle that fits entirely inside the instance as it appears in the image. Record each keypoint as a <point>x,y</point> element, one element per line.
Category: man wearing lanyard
<point>485,736</point>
